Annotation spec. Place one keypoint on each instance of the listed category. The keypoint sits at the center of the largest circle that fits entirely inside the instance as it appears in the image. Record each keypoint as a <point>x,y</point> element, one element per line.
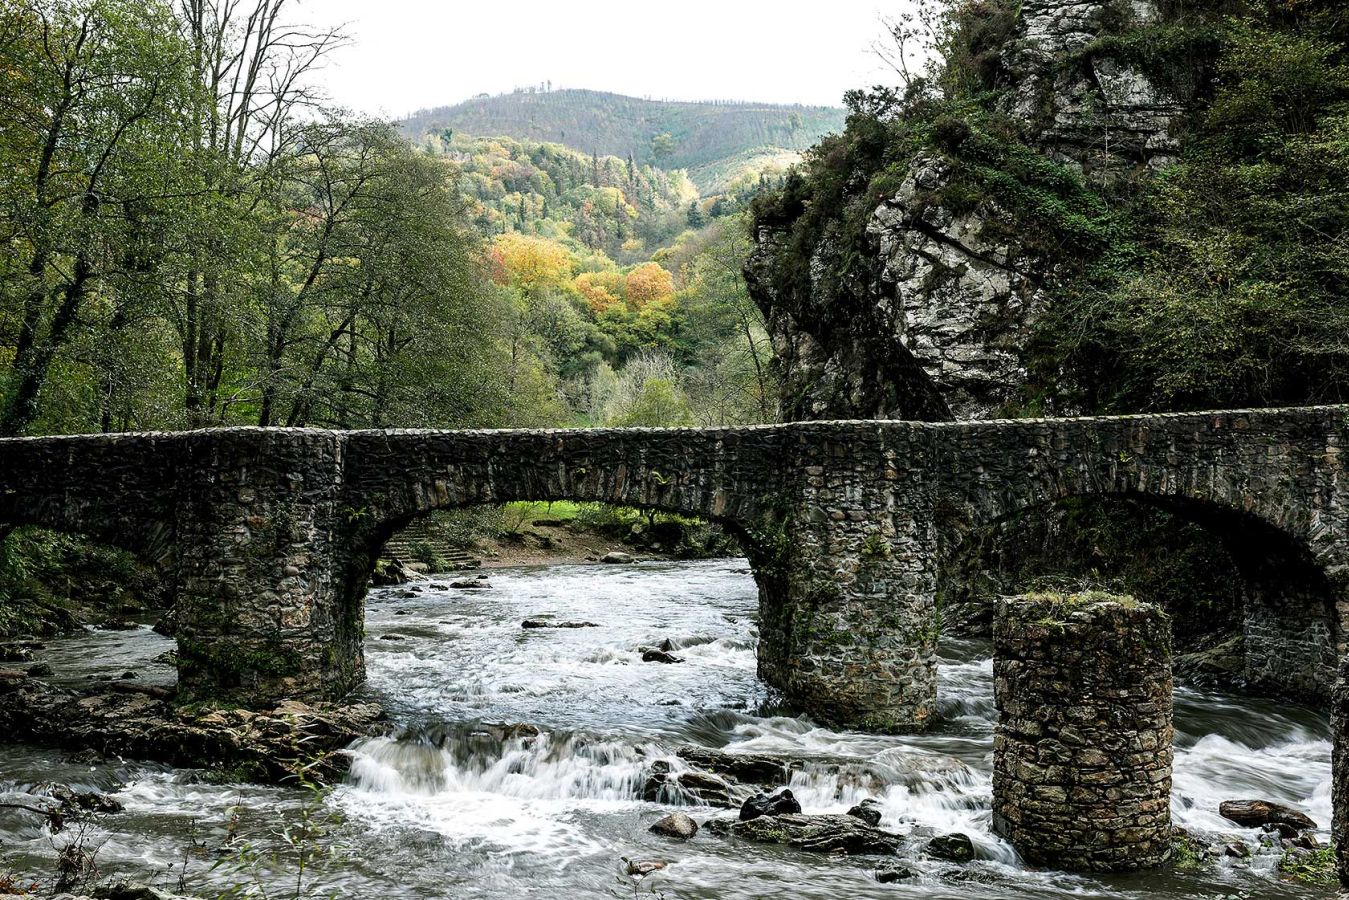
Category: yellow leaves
<point>602,290</point>
<point>648,284</point>
<point>531,264</point>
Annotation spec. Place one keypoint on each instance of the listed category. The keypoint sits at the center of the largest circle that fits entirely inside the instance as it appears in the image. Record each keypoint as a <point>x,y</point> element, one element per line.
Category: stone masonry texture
<point>1082,754</point>
<point>267,537</point>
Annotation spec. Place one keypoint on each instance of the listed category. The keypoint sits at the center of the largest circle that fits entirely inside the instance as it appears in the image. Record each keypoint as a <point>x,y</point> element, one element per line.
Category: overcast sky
<point>410,54</point>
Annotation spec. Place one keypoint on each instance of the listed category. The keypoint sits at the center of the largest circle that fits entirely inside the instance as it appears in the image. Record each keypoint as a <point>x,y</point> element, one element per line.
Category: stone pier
<point>1082,755</point>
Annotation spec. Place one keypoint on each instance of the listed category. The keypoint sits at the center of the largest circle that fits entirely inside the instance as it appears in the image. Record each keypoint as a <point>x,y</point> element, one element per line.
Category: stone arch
<point>1290,604</point>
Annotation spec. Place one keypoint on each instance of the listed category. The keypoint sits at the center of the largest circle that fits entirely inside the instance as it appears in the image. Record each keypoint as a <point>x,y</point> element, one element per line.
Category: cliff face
<point>930,319</point>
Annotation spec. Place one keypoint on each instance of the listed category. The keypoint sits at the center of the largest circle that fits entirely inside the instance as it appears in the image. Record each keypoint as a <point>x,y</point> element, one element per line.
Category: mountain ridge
<point>672,134</point>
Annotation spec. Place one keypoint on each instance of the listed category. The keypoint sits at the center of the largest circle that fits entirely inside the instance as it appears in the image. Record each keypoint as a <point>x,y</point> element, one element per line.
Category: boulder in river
<point>389,574</point>
<point>868,811</point>
<point>676,825</point>
<point>655,655</point>
<point>617,558</point>
<point>820,834</point>
<point>640,868</point>
<point>544,623</point>
<point>898,873</point>
<point>471,584</point>
<point>752,768</point>
<point>41,670</point>
<point>1258,813</point>
<point>781,803</point>
<point>951,847</point>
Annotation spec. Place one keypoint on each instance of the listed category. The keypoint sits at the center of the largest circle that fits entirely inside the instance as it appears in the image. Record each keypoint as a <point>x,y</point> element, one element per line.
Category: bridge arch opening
<point>1251,605</point>
<point>370,554</point>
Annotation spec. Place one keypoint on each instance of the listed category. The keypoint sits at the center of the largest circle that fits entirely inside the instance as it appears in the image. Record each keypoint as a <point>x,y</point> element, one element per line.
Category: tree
<point>93,93</point>
<point>648,284</point>
<point>662,146</point>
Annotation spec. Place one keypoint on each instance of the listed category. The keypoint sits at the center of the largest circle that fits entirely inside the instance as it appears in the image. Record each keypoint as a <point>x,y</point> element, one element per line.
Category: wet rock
<point>85,758</point>
<point>12,653</point>
<point>544,623</point>
<point>1304,841</point>
<point>167,624</point>
<point>167,658</point>
<point>951,847</point>
<point>781,803</point>
<point>640,868</point>
<point>820,834</point>
<point>73,801</point>
<point>868,811</point>
<point>41,670</point>
<point>1236,850</point>
<point>471,584</point>
<point>1258,813</point>
<point>141,722</point>
<point>392,637</point>
<point>654,655</point>
<point>676,825</point>
<point>128,676</point>
<point>389,574</point>
<point>899,873</point>
<point>131,890</point>
<point>753,768</point>
<point>618,558</point>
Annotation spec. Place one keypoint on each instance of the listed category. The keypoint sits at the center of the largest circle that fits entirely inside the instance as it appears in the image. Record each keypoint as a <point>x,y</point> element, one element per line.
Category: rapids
<point>451,806</point>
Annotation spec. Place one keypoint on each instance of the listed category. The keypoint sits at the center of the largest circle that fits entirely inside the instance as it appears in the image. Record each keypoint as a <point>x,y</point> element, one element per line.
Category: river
<point>448,808</point>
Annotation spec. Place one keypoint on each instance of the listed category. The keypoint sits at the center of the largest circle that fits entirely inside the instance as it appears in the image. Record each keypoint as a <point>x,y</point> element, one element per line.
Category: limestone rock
<point>868,811</point>
<point>751,768</point>
<point>781,803</point>
<point>676,825</point>
<point>819,833</point>
<point>1259,813</point>
<point>951,847</point>
<point>141,722</point>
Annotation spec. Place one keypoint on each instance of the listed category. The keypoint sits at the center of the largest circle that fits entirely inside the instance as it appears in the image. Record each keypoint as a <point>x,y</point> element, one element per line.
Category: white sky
<point>410,54</point>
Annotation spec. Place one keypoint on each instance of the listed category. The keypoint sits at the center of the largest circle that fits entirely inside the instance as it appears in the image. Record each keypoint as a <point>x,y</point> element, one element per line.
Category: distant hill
<point>699,137</point>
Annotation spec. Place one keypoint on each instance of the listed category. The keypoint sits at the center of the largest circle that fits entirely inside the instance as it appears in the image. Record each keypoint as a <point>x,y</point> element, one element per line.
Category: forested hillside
<point>187,245</point>
<point>671,135</point>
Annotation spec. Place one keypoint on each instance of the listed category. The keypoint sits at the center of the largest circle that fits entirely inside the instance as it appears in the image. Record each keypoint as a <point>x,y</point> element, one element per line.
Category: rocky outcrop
<point>929,317</point>
<point>1081,103</point>
<point>276,746</point>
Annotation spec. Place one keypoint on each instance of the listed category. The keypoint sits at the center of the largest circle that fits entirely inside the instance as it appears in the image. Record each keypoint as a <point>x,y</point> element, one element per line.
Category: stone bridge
<point>267,537</point>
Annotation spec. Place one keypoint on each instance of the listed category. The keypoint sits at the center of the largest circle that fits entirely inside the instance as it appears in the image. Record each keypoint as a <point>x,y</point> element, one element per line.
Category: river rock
<point>142,722</point>
<point>821,834</point>
<point>12,653</point>
<point>640,868</point>
<point>655,655</point>
<point>1257,813</point>
<point>868,811</point>
<point>779,804</point>
<point>676,825</point>
<point>543,623</point>
<point>471,584</point>
<point>617,558</point>
<point>753,768</point>
<point>951,847</point>
<point>73,800</point>
<point>899,873</point>
<point>41,670</point>
<point>117,625</point>
<point>167,624</point>
<point>389,574</point>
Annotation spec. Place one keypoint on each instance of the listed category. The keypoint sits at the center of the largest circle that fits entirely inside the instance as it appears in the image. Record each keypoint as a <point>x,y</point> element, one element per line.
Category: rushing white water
<point>459,802</point>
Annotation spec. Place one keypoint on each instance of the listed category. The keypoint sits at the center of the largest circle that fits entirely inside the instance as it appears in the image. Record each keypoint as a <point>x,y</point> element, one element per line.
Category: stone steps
<point>403,545</point>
